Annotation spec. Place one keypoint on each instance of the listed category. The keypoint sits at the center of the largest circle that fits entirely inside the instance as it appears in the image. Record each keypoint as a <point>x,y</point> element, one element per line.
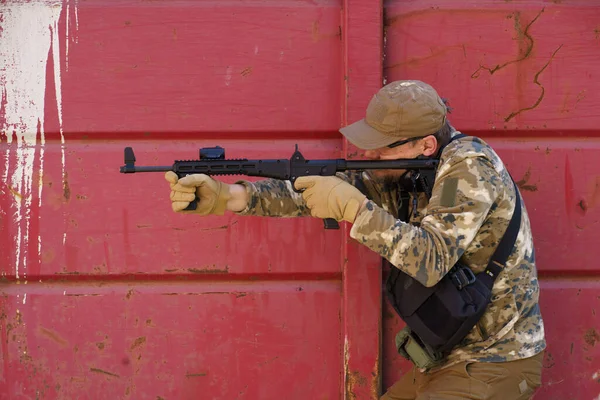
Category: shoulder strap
<point>455,137</point>
<point>458,136</point>
<point>498,260</point>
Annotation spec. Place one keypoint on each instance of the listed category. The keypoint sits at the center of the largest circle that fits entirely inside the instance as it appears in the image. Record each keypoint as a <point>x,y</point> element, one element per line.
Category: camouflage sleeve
<point>462,195</point>
<point>273,198</point>
<point>276,198</point>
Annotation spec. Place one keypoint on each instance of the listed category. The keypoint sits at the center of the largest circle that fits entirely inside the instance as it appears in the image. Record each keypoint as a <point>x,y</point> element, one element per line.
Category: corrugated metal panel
<point>103,287</point>
<point>522,75</point>
<point>108,294</point>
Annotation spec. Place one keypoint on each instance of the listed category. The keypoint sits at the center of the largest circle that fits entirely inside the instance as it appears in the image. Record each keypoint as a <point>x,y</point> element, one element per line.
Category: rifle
<point>212,162</point>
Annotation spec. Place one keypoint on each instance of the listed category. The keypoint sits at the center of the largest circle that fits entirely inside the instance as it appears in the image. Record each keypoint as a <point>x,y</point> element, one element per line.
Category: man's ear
<point>430,145</point>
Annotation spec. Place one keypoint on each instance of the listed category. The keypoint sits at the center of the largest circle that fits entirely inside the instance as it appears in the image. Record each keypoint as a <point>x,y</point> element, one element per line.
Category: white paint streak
<point>58,88</point>
<point>228,76</point>
<point>69,37</point>
<point>76,21</point>
<point>29,31</point>
<point>67,41</point>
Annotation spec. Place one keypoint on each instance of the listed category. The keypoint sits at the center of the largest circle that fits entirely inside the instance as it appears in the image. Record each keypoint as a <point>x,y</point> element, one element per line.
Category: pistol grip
<point>328,223</point>
<point>193,204</point>
<point>331,223</point>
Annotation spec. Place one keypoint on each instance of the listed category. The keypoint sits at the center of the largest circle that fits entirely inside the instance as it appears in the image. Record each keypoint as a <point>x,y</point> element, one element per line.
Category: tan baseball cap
<point>401,109</point>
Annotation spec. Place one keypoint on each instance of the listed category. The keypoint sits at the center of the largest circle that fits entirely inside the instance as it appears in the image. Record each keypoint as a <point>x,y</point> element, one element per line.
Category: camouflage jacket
<point>470,207</point>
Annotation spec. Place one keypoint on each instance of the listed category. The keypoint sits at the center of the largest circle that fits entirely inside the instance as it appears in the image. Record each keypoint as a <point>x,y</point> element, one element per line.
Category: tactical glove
<point>330,197</point>
<point>213,194</point>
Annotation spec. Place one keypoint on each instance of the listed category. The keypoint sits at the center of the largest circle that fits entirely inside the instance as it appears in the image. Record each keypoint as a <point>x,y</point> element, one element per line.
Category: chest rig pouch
<point>439,317</point>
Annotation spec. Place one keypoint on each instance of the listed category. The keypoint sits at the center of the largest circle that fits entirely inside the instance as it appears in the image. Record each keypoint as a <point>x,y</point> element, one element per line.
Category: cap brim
<point>365,137</point>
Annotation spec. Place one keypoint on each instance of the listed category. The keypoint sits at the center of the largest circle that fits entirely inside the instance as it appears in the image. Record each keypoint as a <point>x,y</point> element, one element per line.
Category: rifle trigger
<point>330,223</point>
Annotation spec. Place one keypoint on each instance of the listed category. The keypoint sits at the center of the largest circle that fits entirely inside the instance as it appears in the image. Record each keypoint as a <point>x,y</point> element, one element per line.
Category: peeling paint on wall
<point>75,37</point>
<point>29,36</point>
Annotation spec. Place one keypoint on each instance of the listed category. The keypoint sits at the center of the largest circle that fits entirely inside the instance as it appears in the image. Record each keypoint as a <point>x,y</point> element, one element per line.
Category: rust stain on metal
<point>435,53</point>
<point>196,375</point>
<point>100,371</point>
<point>595,189</point>
<point>347,388</point>
<point>537,82</point>
<point>138,342</point>
<point>268,361</point>
<point>387,314</point>
<point>81,295</point>
<point>353,378</point>
<point>566,107</point>
<point>66,188</point>
<point>246,71</point>
<point>526,52</point>
<point>315,31</point>
<point>18,195</point>
<point>591,337</point>
<point>209,271</point>
<point>100,345</point>
<point>53,336</point>
<point>129,294</point>
<point>216,228</point>
<point>522,184</point>
<point>376,379</point>
<point>580,96</point>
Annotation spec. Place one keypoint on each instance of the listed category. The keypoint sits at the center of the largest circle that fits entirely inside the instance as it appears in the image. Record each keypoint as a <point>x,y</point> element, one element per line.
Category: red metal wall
<point>105,293</point>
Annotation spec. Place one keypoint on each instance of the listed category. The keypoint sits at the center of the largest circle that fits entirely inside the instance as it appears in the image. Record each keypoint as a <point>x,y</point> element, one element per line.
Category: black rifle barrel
<point>152,168</point>
<point>226,167</point>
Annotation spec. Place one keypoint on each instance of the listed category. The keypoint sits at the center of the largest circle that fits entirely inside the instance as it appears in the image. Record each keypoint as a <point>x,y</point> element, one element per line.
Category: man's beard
<point>391,181</point>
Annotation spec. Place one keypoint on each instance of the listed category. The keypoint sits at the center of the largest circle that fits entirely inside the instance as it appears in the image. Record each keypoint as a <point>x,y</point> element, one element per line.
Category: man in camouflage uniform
<point>471,204</point>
